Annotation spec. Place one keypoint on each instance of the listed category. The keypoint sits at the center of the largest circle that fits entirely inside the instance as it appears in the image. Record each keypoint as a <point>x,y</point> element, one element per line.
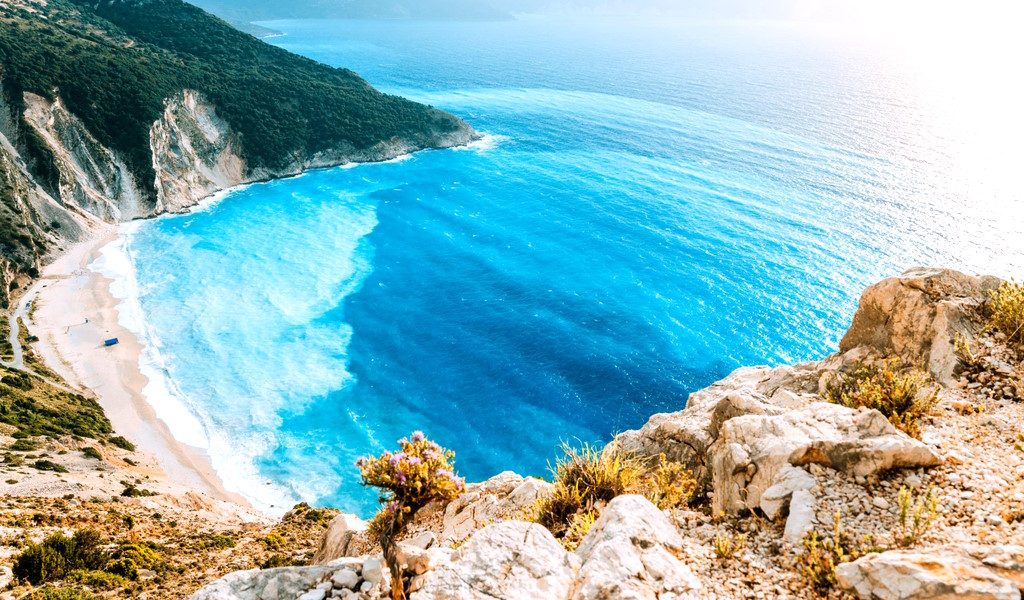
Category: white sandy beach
<point>74,313</point>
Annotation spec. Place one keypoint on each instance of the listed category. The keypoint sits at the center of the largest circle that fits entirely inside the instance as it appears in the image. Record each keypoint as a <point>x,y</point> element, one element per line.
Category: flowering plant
<point>418,474</point>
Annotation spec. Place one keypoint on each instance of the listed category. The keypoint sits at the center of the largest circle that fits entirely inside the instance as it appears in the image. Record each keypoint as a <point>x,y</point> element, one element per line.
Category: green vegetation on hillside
<point>115,63</point>
<point>34,408</point>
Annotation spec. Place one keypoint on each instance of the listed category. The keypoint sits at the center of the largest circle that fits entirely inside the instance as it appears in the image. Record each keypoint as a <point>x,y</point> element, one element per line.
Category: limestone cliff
<point>194,153</point>
<point>80,184</point>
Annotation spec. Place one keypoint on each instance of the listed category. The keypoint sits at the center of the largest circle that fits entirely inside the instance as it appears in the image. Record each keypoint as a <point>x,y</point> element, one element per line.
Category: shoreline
<point>73,312</point>
<point>67,293</point>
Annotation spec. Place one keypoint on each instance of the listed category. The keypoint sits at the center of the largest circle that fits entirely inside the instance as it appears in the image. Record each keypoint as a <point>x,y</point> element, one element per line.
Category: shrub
<point>272,541</point>
<point>144,556</point>
<point>14,460</point>
<point>728,546</point>
<point>122,443</point>
<point>58,555</point>
<point>24,445</point>
<point>133,492</point>
<point>280,560</point>
<point>63,593</point>
<point>48,465</point>
<point>902,394</point>
<point>221,541</point>
<point>97,580</point>
<point>17,379</point>
<point>124,567</point>
<point>91,452</point>
<point>1007,310</point>
<point>817,564</point>
<point>587,478</point>
<point>915,518</point>
<point>419,473</point>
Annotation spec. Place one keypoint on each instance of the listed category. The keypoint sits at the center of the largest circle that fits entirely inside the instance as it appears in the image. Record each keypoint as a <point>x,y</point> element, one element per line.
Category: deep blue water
<point>654,205</point>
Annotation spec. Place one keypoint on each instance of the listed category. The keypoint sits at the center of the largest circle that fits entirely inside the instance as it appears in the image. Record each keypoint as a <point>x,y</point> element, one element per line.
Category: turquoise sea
<point>652,206</point>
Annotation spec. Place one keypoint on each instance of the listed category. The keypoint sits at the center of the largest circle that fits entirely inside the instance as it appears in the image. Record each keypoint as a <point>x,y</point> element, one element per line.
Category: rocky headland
<point>790,477</point>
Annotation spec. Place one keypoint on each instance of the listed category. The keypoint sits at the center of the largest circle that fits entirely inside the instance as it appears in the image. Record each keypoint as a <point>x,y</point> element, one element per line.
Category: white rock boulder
<point>512,559</point>
<point>345,536</point>
<point>501,497</point>
<point>631,552</point>
<point>956,571</point>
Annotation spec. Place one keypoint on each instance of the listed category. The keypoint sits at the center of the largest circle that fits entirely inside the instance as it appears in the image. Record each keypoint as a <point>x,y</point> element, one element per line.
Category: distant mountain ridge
<point>129,108</point>
<point>257,10</point>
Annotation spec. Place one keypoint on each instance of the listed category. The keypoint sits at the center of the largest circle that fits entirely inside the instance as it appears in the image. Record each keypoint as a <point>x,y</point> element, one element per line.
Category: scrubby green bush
<point>272,541</point>
<point>903,394</point>
<point>91,452</point>
<point>221,541</point>
<point>48,465</point>
<point>421,472</point>
<point>122,443</point>
<point>98,580</point>
<point>58,555</point>
<point>124,567</point>
<point>24,445</point>
<point>1007,310</point>
<point>587,478</point>
<point>145,556</point>
<point>131,491</point>
<point>63,593</point>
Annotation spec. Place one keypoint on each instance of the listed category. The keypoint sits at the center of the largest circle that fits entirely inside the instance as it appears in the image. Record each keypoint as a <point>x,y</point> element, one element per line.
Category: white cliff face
<point>92,177</point>
<point>194,153</point>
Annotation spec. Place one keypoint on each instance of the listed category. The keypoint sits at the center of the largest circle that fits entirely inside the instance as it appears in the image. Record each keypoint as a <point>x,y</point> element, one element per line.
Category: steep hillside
<point>127,108</point>
<point>454,10</point>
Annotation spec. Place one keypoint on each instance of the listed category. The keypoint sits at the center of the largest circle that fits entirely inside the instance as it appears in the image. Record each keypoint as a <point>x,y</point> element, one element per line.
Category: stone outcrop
<point>501,497</point>
<point>507,560</point>
<point>917,316</point>
<point>632,552</point>
<point>345,578</point>
<point>756,452</point>
<point>345,537</point>
<point>956,571</point>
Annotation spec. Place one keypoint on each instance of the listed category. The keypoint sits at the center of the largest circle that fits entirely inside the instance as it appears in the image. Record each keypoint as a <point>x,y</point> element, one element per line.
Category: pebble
<point>880,503</point>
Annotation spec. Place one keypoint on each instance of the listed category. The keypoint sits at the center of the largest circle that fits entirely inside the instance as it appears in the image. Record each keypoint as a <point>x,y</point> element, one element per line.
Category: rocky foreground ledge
<point>782,463</point>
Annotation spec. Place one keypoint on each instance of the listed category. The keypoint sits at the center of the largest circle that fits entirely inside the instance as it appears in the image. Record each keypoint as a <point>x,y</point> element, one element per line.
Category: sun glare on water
<point>967,64</point>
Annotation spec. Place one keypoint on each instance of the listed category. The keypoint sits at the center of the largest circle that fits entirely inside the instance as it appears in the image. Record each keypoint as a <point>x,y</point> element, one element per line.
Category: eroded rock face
<point>631,552</point>
<point>917,315</point>
<point>503,496</point>
<point>956,571</point>
<point>194,153</point>
<point>92,177</point>
<point>512,559</point>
